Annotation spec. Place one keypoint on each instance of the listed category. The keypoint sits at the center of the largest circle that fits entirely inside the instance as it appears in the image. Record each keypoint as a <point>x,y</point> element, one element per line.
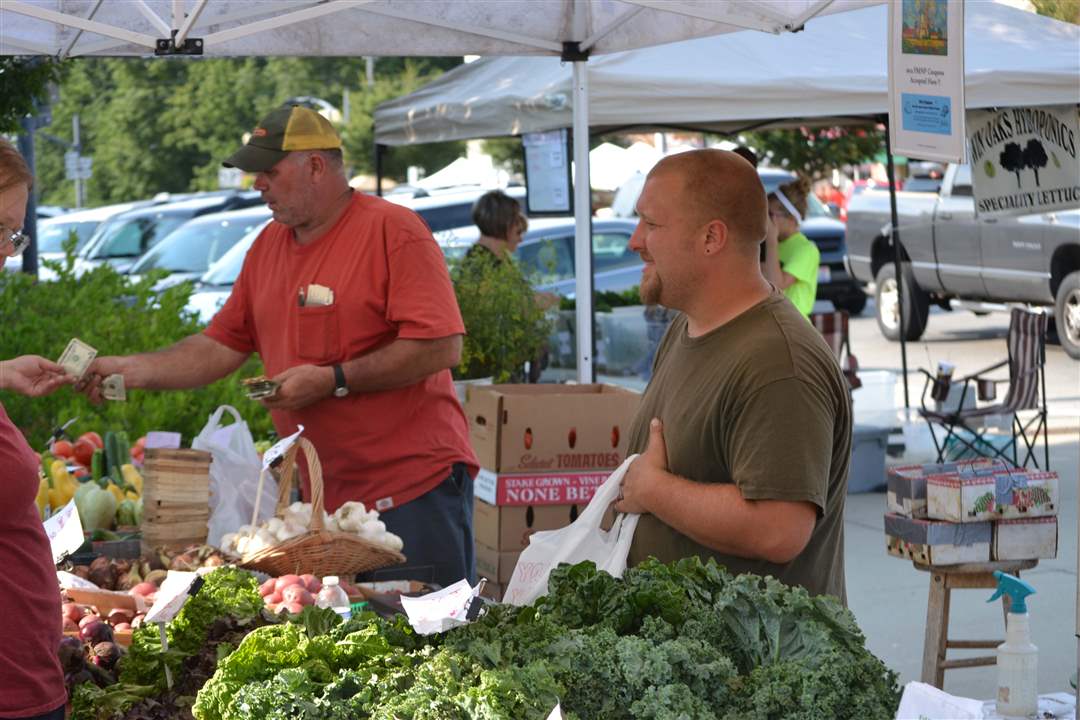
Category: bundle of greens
<point>684,640</point>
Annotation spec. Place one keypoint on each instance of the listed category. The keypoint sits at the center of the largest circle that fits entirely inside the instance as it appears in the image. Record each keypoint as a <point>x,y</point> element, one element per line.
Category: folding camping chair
<point>833,326</point>
<point>1026,394</point>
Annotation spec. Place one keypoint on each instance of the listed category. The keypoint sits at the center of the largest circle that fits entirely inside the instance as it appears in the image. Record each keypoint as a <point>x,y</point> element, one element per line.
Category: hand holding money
<point>301,386</point>
<point>106,378</point>
<point>33,375</point>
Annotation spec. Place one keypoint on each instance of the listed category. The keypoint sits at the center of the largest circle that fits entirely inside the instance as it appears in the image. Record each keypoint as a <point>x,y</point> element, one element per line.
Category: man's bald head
<point>721,185</point>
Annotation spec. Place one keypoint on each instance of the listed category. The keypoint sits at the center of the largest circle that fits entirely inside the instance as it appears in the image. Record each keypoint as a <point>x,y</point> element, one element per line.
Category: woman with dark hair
<point>31,681</point>
<point>791,263</point>
<point>501,223</point>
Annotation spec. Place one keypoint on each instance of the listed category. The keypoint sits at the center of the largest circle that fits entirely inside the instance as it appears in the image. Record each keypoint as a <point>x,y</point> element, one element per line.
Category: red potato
<point>311,583</point>
<point>286,580</point>
<point>144,588</point>
<point>297,594</point>
<point>137,621</point>
<point>274,598</point>
<point>267,587</point>
<point>70,625</point>
<point>294,608</point>
<point>119,616</point>
<point>73,611</point>
<point>121,627</point>
<point>87,619</point>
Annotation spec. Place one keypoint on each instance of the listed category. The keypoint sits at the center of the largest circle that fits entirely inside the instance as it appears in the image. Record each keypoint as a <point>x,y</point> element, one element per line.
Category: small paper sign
<point>70,580</point>
<point>440,610</point>
<point>278,449</point>
<point>171,596</point>
<point>556,714</point>
<point>162,440</point>
<point>65,532</point>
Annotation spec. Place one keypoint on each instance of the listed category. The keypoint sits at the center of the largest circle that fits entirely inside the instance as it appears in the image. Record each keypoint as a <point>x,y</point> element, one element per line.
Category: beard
<point>651,287</point>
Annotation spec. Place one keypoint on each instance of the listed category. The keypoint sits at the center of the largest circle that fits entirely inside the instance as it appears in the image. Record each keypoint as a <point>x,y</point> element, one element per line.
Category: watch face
<point>341,392</point>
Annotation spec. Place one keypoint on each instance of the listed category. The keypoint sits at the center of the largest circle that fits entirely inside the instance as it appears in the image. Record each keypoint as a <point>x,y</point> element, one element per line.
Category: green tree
<point>1067,10</point>
<point>24,81</point>
<point>358,135</point>
<point>506,152</point>
<point>814,151</point>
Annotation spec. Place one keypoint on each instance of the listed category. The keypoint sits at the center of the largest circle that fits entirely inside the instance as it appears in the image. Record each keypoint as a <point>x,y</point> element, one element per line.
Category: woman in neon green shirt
<point>791,263</point>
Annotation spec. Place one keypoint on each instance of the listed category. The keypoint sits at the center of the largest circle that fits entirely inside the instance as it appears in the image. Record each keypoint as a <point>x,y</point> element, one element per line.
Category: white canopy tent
<point>834,70</point>
<point>570,29</point>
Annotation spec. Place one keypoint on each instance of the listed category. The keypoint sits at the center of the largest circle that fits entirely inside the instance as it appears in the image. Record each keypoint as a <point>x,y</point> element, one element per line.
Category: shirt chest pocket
<point>318,334</point>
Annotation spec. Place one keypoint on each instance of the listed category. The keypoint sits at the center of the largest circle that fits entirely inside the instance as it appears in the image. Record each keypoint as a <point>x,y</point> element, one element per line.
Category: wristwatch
<point>340,388</point>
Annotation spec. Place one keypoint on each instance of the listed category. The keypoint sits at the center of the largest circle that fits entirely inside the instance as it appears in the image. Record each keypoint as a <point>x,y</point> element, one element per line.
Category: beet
<point>96,632</point>
<point>70,653</point>
<point>106,655</point>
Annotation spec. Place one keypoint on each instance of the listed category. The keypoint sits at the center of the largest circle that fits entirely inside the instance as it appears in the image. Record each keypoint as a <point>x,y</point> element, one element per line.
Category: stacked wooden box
<point>978,511</point>
<point>176,497</point>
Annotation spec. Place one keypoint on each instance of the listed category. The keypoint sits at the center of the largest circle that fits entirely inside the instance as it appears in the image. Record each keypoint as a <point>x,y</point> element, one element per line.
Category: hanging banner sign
<point>1023,160</point>
<point>926,79</point>
<point>547,173</point>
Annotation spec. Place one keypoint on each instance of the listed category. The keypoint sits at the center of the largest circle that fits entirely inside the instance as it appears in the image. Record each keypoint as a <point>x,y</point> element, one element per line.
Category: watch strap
<point>340,388</point>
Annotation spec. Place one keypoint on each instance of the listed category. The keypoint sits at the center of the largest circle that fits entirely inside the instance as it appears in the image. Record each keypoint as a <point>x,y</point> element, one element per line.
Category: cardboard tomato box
<point>906,484</point>
<point>549,428</point>
<point>544,488</point>
<point>495,565</point>
<point>931,542</point>
<point>1005,494</point>
<point>1025,539</point>
<point>507,528</point>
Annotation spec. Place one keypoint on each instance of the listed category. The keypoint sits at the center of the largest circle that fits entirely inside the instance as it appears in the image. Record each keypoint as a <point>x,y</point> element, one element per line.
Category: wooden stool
<point>943,580</point>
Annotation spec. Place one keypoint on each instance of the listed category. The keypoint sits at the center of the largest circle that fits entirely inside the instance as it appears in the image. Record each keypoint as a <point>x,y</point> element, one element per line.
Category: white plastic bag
<point>234,475</point>
<point>583,539</point>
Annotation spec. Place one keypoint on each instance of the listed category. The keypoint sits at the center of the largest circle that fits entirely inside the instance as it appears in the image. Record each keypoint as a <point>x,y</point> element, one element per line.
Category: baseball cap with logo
<point>282,131</point>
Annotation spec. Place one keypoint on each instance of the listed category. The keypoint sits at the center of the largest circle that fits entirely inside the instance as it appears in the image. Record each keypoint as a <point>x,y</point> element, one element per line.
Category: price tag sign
<point>278,450</point>
<point>65,532</point>
<point>440,610</point>
<point>174,592</point>
<point>556,714</point>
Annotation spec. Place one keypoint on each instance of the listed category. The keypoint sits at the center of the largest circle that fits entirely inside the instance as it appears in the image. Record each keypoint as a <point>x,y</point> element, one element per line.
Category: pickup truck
<point>950,254</point>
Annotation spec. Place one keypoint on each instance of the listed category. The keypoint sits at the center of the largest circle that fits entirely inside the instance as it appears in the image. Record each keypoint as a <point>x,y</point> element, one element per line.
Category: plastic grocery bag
<point>583,539</point>
<point>234,475</point>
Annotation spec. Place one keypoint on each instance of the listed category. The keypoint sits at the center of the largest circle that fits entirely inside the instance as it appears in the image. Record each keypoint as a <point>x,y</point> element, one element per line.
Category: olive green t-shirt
<point>759,402</point>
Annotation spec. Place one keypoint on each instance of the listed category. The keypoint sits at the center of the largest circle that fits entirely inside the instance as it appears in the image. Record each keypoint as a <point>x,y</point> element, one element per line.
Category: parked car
<point>546,253</point>
<point>950,254</point>
<point>124,238</point>
<point>449,209</point>
<point>53,231</point>
<point>189,250</point>
<point>834,282</point>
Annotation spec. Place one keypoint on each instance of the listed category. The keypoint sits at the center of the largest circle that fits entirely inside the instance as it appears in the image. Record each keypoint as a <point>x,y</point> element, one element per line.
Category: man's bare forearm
<point>193,362</point>
<point>718,516</point>
<point>401,363</point>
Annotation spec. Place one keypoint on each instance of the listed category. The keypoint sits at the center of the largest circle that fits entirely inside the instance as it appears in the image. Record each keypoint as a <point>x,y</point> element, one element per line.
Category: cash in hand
<point>259,387</point>
<point>77,357</point>
<point>112,388</point>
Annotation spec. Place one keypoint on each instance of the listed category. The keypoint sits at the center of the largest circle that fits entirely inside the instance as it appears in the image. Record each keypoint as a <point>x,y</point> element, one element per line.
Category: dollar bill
<point>259,387</point>
<point>77,357</point>
<point>112,388</point>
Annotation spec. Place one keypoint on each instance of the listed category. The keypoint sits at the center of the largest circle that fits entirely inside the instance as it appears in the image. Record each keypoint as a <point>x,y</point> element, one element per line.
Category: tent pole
<point>26,149</point>
<point>583,226</point>
<point>379,149</point>
<point>897,263</point>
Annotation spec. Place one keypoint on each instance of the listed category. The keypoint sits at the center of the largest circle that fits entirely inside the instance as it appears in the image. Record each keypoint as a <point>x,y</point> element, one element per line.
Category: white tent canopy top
<point>383,27</point>
<point>834,70</point>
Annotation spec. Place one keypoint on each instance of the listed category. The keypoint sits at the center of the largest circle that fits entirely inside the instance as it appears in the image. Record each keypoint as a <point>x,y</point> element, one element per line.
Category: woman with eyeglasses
<point>791,259</point>
<point>31,680</point>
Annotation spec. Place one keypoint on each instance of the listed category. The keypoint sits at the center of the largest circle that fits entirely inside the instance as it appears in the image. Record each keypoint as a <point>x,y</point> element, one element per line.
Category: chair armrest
<point>976,375</point>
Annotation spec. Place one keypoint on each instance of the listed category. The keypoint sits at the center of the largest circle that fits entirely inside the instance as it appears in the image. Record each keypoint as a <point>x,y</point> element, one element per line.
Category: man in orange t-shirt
<point>348,301</point>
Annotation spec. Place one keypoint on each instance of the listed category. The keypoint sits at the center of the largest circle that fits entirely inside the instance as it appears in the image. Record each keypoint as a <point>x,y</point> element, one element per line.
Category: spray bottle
<point>1017,657</point>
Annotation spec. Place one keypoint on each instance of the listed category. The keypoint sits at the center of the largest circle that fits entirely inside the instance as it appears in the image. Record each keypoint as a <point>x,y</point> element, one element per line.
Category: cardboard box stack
<point>978,511</point>
<point>543,451</point>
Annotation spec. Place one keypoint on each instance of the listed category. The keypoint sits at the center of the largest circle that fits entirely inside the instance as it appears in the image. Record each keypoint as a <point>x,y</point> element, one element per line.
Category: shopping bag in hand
<point>583,539</point>
<point>234,475</point>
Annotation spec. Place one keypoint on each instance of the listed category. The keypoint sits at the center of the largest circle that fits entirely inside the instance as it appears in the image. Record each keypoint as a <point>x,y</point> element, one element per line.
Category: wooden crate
<point>176,497</point>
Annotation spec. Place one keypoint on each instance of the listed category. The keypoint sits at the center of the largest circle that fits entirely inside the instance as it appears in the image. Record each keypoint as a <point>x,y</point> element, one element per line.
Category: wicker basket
<point>318,551</point>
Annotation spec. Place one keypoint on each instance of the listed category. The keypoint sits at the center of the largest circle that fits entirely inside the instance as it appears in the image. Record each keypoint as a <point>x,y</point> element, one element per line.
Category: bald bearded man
<point>745,428</point>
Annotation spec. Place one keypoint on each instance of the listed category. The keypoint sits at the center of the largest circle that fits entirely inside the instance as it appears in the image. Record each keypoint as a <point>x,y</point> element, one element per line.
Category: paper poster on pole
<point>547,173</point>
<point>1023,159</point>
<point>926,79</point>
